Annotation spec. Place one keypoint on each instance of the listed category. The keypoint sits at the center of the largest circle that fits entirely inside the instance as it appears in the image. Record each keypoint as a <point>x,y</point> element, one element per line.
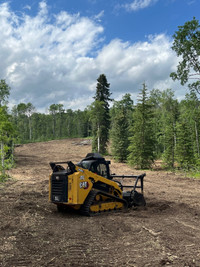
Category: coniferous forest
<point>155,127</point>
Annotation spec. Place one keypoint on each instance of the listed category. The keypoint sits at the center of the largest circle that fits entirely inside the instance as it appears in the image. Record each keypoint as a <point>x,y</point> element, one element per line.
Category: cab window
<point>102,170</point>
<point>85,165</point>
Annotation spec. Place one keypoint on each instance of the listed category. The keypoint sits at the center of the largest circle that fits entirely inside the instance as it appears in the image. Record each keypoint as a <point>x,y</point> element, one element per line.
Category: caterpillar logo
<point>84,185</point>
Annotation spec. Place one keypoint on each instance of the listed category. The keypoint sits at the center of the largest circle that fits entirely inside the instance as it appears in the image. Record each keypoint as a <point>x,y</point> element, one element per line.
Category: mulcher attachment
<point>133,197</point>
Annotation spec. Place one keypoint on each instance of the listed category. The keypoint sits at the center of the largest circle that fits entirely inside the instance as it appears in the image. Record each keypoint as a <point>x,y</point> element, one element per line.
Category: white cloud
<point>139,4</point>
<point>99,16</point>
<point>134,63</point>
<point>27,7</point>
<point>57,58</point>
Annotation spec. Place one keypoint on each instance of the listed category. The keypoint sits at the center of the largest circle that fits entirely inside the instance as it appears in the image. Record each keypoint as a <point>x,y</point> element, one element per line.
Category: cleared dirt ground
<point>32,233</point>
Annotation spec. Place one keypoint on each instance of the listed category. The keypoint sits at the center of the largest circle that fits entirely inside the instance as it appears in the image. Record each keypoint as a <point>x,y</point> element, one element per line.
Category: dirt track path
<point>33,233</point>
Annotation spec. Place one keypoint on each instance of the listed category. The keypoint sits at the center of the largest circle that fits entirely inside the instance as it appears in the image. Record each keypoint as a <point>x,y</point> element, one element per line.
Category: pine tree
<point>192,112</point>
<point>190,117</point>
<point>142,142</point>
<point>101,124</point>
<point>184,147</point>
<point>155,101</point>
<point>121,115</point>
<point>170,113</point>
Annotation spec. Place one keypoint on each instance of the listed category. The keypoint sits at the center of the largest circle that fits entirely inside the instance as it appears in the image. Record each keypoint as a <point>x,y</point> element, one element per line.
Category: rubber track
<point>85,208</point>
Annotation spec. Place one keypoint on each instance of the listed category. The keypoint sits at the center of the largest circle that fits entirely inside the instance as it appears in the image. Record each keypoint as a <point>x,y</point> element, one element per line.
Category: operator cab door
<point>100,169</point>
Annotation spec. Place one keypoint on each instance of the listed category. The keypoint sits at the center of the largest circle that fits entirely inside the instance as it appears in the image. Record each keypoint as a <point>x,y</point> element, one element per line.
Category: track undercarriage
<point>98,201</point>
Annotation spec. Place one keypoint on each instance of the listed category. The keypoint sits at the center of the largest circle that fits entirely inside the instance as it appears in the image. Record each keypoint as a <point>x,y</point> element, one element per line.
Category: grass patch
<point>191,173</point>
<point>195,175</point>
<point>4,177</point>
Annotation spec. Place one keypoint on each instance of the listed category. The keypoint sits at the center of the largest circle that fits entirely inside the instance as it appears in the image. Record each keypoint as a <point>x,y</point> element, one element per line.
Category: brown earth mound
<point>32,233</point>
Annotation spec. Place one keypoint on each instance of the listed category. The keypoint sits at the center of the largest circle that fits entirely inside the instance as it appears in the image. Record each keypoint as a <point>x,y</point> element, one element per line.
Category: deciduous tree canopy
<point>187,45</point>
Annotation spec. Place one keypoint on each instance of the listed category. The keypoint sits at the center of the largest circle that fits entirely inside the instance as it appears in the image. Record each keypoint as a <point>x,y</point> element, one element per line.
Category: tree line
<point>157,126</point>
<point>58,123</point>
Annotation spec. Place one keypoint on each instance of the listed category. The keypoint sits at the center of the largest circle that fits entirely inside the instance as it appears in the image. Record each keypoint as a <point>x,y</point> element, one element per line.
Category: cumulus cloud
<point>139,4</point>
<point>56,58</point>
<point>129,65</point>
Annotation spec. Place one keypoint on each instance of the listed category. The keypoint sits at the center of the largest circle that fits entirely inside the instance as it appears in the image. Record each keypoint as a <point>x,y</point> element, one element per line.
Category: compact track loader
<point>90,188</point>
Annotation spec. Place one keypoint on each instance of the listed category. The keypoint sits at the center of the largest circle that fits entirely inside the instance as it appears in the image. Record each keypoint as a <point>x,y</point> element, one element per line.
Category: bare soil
<point>32,233</point>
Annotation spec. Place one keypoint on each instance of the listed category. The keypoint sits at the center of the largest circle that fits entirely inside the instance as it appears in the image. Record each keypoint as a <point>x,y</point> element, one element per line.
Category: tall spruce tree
<point>190,109</point>
<point>121,115</point>
<point>170,113</point>
<point>184,147</point>
<point>155,101</point>
<point>188,130</point>
<point>101,123</point>
<point>142,142</point>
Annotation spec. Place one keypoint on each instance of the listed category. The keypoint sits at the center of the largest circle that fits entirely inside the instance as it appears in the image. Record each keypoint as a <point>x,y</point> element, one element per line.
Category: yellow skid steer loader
<point>90,188</point>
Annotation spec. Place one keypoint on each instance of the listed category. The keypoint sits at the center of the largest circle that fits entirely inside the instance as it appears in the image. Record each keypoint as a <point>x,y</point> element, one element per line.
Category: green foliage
<point>121,114</point>
<point>184,146</point>
<point>4,177</point>
<point>56,111</point>
<point>187,45</point>
<point>7,132</point>
<point>4,92</point>
<point>190,110</point>
<point>169,118</point>
<point>22,118</point>
<point>155,99</point>
<point>188,132</point>
<point>142,142</point>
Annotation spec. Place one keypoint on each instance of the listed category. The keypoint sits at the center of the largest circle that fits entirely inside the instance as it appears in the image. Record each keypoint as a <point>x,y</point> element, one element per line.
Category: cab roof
<point>93,156</point>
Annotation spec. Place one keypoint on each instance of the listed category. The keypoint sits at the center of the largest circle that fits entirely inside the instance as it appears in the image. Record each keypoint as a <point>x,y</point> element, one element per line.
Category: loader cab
<point>94,162</point>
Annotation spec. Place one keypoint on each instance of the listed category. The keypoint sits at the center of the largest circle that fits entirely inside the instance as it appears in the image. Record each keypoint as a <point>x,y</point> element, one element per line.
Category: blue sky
<point>53,51</point>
